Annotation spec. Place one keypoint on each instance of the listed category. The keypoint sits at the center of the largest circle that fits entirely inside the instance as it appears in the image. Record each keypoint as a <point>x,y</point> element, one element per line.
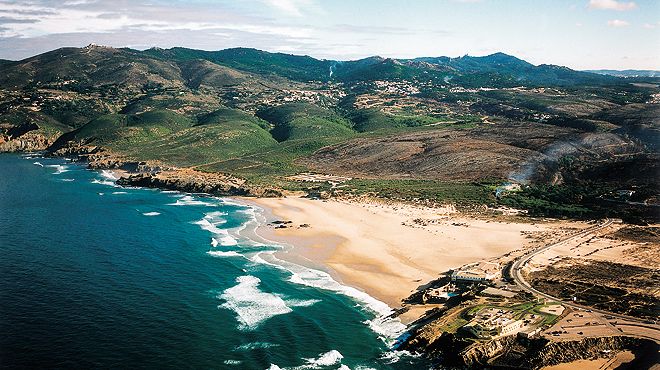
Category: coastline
<point>387,250</point>
<point>329,244</point>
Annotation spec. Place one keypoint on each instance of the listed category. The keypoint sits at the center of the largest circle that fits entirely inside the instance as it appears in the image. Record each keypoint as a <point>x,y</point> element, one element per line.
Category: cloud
<point>617,23</point>
<point>34,20</point>
<point>612,5</point>
<point>4,19</point>
<point>289,7</point>
<point>384,30</point>
<point>649,26</point>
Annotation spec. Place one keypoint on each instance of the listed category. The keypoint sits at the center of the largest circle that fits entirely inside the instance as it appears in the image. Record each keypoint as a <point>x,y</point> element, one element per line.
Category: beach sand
<point>387,250</point>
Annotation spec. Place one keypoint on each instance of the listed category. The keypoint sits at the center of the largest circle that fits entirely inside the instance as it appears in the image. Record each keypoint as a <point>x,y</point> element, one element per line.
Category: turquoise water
<point>94,275</point>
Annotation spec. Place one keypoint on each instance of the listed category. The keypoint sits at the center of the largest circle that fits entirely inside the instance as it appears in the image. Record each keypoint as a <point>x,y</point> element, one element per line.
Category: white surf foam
<point>210,223</point>
<point>228,240</point>
<point>256,345</point>
<point>205,224</point>
<point>188,200</point>
<point>251,305</point>
<point>388,329</point>
<point>391,357</point>
<point>58,168</point>
<point>109,175</point>
<point>233,362</point>
<point>302,302</point>
<point>119,192</point>
<point>231,202</point>
<point>224,254</point>
<point>38,164</point>
<point>326,359</point>
<point>104,182</point>
<point>151,213</point>
<point>67,180</point>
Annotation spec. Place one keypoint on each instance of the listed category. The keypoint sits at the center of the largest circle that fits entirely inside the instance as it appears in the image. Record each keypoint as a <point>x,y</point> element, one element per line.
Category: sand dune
<point>388,250</point>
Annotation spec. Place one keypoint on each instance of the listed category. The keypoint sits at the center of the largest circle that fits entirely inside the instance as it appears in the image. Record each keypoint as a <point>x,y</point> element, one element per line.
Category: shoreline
<point>385,249</point>
<point>302,245</point>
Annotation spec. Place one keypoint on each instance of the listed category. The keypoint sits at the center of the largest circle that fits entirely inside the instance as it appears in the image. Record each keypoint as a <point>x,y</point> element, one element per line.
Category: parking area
<point>577,324</point>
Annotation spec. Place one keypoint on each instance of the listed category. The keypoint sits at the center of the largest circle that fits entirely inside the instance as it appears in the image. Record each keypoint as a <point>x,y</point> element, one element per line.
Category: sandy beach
<point>387,249</point>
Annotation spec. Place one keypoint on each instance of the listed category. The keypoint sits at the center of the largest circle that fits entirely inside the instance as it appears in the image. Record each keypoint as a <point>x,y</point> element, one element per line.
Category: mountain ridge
<point>510,69</point>
<point>423,128</point>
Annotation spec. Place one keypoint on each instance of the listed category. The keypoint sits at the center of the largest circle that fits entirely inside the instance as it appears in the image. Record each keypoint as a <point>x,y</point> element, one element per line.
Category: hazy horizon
<point>580,34</point>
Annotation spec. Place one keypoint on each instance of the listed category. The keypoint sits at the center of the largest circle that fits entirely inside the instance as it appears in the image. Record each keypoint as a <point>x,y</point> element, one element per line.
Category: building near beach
<point>492,323</point>
<point>478,271</point>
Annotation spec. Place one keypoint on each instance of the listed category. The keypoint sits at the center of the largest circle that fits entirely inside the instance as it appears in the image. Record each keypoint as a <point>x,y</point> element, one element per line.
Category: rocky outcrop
<point>520,353</point>
<point>29,142</point>
<point>554,353</point>
<point>480,354</point>
<point>192,181</point>
<point>156,175</point>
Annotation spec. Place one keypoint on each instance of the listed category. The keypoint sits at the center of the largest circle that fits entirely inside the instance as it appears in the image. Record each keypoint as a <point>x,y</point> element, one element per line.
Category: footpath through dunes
<point>387,250</point>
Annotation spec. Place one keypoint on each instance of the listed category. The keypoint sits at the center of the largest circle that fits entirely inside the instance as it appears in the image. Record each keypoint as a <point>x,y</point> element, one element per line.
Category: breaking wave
<point>58,168</point>
<point>224,254</point>
<point>189,200</point>
<point>251,305</point>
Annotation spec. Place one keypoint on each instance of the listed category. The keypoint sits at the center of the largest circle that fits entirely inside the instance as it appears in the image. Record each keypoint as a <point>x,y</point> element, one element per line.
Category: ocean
<point>96,275</point>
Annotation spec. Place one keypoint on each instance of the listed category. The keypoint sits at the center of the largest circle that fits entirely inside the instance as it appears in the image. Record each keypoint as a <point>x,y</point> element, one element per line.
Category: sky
<point>580,34</point>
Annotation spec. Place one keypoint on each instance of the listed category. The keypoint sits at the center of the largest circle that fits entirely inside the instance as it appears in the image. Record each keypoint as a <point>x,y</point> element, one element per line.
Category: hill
<point>626,72</point>
<point>410,128</point>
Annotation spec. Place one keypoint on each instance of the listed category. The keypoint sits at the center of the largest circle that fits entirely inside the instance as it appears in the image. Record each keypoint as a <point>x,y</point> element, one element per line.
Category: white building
<point>478,271</point>
<point>493,323</point>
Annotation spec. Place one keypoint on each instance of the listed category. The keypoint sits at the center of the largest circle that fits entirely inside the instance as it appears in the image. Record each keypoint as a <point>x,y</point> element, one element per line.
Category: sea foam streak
<point>38,164</point>
<point>256,345</point>
<point>151,213</point>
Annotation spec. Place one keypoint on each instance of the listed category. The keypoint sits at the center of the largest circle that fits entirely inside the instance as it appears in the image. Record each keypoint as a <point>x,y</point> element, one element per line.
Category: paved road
<point>518,265</point>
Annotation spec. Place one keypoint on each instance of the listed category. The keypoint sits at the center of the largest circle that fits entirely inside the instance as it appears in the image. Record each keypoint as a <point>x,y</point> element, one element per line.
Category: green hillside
<point>297,121</point>
<point>441,123</point>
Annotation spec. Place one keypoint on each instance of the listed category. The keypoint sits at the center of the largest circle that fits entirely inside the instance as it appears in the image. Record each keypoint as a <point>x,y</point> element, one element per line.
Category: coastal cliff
<point>520,353</point>
<point>197,182</point>
<point>153,174</point>
<point>25,138</point>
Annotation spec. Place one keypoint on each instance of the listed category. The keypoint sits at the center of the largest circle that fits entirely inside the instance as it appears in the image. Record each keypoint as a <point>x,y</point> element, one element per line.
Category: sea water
<point>97,275</point>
